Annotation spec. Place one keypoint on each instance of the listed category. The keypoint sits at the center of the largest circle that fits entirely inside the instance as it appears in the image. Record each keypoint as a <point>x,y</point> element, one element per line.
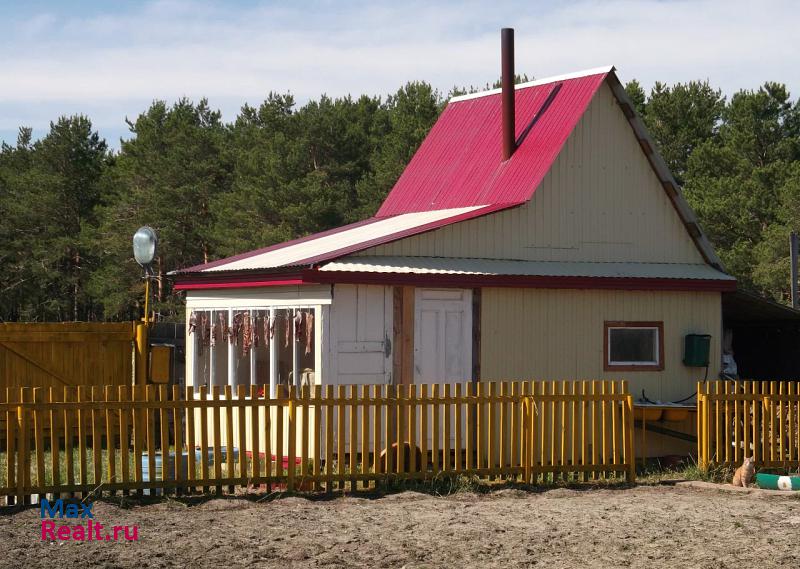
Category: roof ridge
<point>537,82</point>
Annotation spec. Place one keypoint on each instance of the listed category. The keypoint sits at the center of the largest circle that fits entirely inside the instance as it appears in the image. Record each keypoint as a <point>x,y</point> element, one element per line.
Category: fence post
<point>702,428</point>
<point>12,427</point>
<point>629,428</point>
<point>699,418</point>
<point>290,471</point>
<point>527,421</point>
<point>534,435</point>
<point>23,456</point>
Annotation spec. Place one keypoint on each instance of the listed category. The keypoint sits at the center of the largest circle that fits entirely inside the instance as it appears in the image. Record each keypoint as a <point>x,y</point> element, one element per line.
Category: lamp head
<point>145,242</point>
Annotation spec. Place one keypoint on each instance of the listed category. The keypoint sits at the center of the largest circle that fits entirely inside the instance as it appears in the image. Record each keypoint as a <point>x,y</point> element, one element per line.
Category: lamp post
<point>145,242</point>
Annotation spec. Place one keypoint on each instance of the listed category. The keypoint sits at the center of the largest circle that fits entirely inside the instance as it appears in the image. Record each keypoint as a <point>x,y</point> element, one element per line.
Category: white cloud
<point>111,65</point>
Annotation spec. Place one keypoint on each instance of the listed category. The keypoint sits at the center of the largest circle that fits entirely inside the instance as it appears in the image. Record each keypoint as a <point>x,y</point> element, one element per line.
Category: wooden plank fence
<point>140,438</point>
<point>759,419</point>
<point>47,354</point>
<point>44,354</point>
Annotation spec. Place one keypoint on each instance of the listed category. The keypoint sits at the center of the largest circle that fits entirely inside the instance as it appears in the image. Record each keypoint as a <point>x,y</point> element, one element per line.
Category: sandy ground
<point>645,526</point>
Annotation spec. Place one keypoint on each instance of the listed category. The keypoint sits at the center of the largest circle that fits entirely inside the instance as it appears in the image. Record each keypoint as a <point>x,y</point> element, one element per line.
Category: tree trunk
<point>76,266</point>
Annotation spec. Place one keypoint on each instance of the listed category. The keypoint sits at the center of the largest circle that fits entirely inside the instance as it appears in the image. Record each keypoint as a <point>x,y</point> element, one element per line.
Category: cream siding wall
<point>601,201</point>
<point>558,334</point>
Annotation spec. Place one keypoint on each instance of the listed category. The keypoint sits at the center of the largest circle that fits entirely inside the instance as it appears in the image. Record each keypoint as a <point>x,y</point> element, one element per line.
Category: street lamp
<point>145,243</point>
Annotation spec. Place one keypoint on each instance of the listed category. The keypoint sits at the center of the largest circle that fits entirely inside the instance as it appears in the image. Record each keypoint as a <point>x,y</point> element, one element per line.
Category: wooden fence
<point>37,354</point>
<point>759,419</point>
<point>34,354</point>
<point>122,438</point>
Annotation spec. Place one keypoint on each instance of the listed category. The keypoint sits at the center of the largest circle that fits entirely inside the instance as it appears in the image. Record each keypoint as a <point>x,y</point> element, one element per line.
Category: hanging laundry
<point>214,331</point>
<point>309,331</point>
<point>287,336</point>
<point>272,323</point>
<point>266,334</point>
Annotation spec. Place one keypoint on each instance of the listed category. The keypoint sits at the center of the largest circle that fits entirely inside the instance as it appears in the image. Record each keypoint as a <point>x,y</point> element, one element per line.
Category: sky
<point>109,60</point>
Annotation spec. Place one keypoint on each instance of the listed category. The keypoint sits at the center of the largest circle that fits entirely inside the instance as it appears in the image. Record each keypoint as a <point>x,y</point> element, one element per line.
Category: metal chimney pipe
<point>507,91</point>
<point>793,247</point>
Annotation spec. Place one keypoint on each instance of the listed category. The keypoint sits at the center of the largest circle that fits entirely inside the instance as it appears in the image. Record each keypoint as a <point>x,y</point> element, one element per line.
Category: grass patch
<point>653,472</point>
<point>105,476</point>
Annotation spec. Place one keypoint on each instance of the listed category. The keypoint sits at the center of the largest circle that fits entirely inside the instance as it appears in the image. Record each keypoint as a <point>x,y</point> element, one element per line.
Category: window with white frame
<point>264,347</point>
<point>634,346</point>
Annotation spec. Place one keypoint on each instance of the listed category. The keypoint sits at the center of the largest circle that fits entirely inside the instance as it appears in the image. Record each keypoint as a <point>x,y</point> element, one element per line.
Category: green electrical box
<point>696,348</point>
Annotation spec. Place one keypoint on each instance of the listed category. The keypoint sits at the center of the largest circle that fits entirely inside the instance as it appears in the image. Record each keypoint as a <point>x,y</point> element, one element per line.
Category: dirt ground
<point>645,526</point>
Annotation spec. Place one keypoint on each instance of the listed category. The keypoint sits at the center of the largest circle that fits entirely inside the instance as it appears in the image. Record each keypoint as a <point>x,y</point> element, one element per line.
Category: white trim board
<point>535,82</point>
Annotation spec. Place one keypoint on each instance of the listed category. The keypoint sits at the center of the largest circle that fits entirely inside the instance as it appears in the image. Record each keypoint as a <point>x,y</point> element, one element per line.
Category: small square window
<point>634,346</point>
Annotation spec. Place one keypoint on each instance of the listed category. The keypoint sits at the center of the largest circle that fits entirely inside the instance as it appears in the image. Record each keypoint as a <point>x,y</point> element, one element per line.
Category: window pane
<point>633,345</point>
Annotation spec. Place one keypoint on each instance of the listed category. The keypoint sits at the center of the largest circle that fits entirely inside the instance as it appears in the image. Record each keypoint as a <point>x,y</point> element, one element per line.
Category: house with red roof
<point>535,234</point>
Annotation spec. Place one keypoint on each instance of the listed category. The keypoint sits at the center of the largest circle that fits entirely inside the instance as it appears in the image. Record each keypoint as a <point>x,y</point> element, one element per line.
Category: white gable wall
<point>600,202</point>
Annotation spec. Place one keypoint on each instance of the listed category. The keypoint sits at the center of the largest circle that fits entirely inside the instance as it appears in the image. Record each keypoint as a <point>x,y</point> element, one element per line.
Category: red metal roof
<point>458,174</point>
<point>460,164</point>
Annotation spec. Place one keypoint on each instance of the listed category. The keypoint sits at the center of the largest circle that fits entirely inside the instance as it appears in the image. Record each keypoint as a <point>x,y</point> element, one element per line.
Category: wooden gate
<point>64,354</point>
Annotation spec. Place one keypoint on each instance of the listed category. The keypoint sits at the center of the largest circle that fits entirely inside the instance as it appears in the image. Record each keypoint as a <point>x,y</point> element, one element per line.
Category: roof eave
<point>247,278</point>
<point>520,281</point>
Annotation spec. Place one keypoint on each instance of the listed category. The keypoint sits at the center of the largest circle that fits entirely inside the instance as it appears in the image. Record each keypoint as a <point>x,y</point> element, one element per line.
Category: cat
<point>744,474</point>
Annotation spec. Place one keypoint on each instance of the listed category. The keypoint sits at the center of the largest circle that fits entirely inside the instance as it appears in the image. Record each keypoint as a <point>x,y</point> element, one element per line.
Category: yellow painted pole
<point>699,418</point>
<point>142,339</point>
<point>146,299</point>
<point>629,428</point>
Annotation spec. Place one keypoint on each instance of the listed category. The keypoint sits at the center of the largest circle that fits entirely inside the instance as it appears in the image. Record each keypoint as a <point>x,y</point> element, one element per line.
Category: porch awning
<point>341,241</point>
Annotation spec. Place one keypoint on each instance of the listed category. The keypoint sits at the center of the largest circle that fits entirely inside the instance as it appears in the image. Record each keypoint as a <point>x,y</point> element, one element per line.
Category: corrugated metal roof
<point>457,173</point>
<point>460,163</point>
<point>336,243</point>
<point>459,266</point>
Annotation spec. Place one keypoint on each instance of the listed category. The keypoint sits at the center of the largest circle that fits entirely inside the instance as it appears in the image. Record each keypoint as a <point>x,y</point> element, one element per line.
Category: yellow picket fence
<point>122,438</point>
<point>759,419</point>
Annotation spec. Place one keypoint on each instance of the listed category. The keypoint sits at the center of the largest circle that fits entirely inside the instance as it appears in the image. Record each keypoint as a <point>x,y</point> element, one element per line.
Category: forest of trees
<point>69,205</point>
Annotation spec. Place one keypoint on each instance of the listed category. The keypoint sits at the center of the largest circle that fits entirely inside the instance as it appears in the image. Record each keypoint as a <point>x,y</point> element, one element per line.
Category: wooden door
<point>442,335</point>
<point>361,331</point>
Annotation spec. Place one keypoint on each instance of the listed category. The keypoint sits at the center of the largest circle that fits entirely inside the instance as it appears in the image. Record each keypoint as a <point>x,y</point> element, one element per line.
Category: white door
<point>360,330</point>
<point>442,336</point>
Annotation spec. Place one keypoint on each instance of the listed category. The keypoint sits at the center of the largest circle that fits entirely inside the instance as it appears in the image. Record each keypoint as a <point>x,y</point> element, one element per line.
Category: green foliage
<point>742,184</point>
<point>68,206</point>
<point>636,92</point>
<point>48,194</point>
<point>210,189</point>
<point>681,118</point>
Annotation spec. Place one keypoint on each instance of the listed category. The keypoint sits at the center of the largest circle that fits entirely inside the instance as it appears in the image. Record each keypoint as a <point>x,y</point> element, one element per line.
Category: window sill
<point>633,367</point>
